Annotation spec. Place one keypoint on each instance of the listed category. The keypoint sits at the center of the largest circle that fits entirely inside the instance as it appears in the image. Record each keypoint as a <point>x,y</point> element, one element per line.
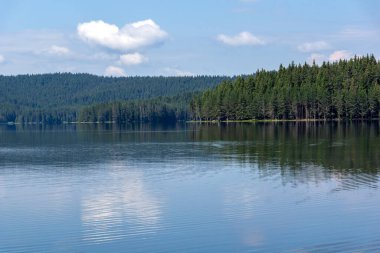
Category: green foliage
<point>340,90</point>
<point>162,109</point>
<point>344,89</point>
<point>56,98</point>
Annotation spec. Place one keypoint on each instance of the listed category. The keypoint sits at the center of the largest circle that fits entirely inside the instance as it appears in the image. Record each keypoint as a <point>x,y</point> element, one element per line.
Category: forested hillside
<point>55,98</point>
<point>340,90</point>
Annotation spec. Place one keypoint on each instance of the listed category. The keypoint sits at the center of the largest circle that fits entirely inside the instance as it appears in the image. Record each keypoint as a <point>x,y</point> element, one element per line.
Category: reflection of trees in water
<point>303,152</point>
<point>296,151</point>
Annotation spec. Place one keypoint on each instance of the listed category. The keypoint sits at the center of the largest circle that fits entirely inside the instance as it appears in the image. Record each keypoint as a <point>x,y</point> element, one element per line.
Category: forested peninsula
<point>346,89</point>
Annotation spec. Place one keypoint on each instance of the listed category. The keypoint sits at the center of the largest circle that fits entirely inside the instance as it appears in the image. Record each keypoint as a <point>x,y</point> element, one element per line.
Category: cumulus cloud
<point>114,71</point>
<point>130,37</point>
<point>317,58</point>
<point>314,46</point>
<point>340,55</point>
<point>132,59</point>
<point>335,56</point>
<point>58,50</point>
<point>241,39</point>
<point>2,59</point>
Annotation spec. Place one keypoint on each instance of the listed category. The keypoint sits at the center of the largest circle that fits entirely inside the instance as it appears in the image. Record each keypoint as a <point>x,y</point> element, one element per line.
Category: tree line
<point>60,97</point>
<point>346,89</point>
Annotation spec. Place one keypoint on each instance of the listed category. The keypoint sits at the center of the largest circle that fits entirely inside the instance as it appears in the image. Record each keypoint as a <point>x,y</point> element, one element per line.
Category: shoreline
<point>199,121</point>
<point>279,120</point>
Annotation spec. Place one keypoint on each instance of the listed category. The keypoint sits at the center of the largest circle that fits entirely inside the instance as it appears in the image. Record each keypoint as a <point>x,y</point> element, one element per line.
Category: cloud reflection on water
<point>121,207</point>
<point>2,188</point>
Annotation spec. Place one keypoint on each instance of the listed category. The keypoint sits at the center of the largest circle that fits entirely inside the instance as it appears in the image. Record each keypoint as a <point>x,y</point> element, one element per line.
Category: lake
<point>264,187</point>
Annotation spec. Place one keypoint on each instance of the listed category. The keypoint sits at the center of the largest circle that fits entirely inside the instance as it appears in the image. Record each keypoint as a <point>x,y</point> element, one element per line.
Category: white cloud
<point>241,39</point>
<point>314,46</point>
<point>177,72</point>
<point>53,51</point>
<point>114,71</point>
<point>340,55</point>
<point>58,50</point>
<point>130,37</point>
<point>132,59</point>
<point>335,56</point>
<point>2,59</point>
<point>317,58</point>
<point>30,41</point>
<point>32,52</point>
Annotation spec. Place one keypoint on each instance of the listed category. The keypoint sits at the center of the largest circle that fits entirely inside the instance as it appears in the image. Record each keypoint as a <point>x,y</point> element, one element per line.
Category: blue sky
<point>167,37</point>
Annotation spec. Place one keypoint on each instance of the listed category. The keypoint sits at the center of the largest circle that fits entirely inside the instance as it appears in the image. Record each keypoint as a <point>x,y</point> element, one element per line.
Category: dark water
<point>282,187</point>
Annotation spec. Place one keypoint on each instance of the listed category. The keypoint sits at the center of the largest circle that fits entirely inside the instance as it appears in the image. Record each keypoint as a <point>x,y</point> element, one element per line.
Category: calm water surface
<point>282,187</point>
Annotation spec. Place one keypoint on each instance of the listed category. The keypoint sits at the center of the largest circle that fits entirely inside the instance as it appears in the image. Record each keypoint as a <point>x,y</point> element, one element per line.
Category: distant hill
<point>54,98</point>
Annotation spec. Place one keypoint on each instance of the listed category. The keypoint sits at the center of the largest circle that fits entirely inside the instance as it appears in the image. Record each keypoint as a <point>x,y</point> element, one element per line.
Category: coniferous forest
<point>161,109</point>
<point>348,89</point>
<point>65,97</point>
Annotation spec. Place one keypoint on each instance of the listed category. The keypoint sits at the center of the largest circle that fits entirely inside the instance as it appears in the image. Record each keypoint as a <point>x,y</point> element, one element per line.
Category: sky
<point>176,38</point>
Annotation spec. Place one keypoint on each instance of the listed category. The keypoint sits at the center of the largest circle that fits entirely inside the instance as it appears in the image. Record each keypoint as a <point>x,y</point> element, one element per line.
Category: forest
<point>346,89</point>
<point>62,97</point>
<point>161,109</point>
